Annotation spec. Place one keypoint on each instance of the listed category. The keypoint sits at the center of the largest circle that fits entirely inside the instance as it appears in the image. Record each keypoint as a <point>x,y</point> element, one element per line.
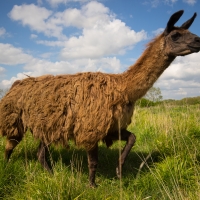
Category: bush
<point>146,103</point>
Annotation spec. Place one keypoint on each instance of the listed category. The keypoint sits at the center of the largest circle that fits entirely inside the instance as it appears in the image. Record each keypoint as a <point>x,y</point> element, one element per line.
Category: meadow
<point>164,163</point>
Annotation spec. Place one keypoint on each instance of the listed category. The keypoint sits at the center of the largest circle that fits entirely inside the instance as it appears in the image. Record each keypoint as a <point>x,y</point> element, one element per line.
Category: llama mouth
<point>194,49</point>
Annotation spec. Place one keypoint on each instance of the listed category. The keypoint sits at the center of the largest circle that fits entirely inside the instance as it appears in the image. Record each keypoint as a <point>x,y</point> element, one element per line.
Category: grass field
<point>164,163</point>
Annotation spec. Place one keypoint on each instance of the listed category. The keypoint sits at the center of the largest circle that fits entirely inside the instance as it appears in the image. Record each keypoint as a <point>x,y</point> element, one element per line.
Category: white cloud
<point>38,67</point>
<point>181,78</point>
<point>184,68</point>
<point>56,2</point>
<point>170,2</point>
<point>101,33</point>
<point>158,31</point>
<point>101,36</point>
<point>103,39</point>
<point>156,3</point>
<point>52,24</point>
<point>190,2</point>
<point>2,32</point>
<point>2,71</point>
<point>37,19</point>
<point>7,83</point>
<point>31,15</point>
<point>33,36</point>
<point>51,43</point>
<point>46,55</point>
<point>86,17</point>
<point>12,56</point>
<point>178,89</point>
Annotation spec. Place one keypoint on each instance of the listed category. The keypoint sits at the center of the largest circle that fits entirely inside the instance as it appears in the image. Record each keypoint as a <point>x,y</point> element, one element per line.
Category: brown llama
<point>89,107</point>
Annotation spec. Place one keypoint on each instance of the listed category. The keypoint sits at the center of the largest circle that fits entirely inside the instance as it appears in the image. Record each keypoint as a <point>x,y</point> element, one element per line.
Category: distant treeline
<point>186,101</point>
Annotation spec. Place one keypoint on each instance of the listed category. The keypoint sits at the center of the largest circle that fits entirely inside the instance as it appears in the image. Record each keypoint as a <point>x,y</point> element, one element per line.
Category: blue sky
<point>68,36</point>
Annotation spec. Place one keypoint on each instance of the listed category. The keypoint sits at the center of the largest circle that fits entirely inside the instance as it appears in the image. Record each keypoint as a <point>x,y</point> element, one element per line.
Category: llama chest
<point>122,116</point>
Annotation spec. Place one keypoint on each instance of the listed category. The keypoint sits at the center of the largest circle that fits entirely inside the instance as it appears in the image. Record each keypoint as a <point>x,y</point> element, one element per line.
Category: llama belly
<point>91,128</point>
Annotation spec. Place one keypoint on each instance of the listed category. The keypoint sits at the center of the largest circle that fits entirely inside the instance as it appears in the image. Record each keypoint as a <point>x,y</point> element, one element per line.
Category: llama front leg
<point>92,164</point>
<point>41,154</point>
<point>130,140</point>
<point>11,143</point>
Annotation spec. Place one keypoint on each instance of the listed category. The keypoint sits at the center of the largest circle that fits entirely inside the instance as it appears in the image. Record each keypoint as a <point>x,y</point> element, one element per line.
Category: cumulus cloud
<point>178,89</point>
<point>12,56</point>
<point>38,67</point>
<point>101,34</point>
<point>182,77</point>
<point>7,83</point>
<point>36,18</point>
<point>35,66</point>
<point>184,68</point>
<point>86,17</point>
<point>100,40</point>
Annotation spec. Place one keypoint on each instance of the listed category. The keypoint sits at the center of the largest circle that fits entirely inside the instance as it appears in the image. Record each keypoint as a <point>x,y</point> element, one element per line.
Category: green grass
<point>164,163</point>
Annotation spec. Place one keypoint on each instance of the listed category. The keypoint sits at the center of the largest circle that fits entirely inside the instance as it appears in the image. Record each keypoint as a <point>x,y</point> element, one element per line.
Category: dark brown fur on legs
<point>41,154</point>
<point>11,143</point>
<point>130,140</point>
<point>92,164</point>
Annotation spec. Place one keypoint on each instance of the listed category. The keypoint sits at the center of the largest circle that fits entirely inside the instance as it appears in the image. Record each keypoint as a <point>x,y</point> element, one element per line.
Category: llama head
<point>179,40</point>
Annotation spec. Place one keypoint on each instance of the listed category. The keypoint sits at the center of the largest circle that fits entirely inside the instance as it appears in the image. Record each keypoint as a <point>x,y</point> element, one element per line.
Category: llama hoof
<point>118,173</point>
<point>93,185</point>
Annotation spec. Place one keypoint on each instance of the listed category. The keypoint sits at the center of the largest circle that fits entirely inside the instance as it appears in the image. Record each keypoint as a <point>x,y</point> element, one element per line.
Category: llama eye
<point>176,36</point>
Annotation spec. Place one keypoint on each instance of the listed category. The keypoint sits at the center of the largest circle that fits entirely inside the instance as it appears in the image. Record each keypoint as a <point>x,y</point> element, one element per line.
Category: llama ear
<point>173,19</point>
<point>188,23</point>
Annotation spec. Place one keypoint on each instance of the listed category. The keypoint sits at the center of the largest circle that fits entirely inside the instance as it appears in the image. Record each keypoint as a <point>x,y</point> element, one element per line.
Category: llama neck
<point>141,76</point>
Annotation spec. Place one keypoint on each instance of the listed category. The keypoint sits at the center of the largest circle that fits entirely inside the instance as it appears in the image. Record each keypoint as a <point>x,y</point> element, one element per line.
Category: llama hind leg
<point>92,165</point>
<point>11,143</point>
<point>130,140</point>
<point>41,154</point>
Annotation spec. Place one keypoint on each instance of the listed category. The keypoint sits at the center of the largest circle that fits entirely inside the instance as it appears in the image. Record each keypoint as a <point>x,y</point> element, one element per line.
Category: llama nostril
<point>197,39</point>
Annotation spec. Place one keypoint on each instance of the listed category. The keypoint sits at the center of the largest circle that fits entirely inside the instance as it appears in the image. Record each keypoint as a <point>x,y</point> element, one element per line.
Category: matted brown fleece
<point>83,107</point>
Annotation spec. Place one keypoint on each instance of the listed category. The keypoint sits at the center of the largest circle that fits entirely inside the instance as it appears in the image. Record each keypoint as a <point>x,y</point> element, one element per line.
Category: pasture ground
<point>164,163</point>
